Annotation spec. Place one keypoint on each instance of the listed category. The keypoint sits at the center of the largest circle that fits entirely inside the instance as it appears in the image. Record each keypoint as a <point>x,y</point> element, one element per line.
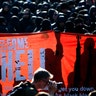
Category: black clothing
<point>23,89</point>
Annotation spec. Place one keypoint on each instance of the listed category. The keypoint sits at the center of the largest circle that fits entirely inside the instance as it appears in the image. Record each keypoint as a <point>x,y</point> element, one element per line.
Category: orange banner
<point>21,55</point>
<point>69,57</point>
<point>78,63</point>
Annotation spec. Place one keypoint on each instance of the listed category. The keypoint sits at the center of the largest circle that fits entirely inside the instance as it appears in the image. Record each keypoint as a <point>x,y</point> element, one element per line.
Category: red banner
<point>21,55</point>
<point>69,57</point>
<point>78,63</point>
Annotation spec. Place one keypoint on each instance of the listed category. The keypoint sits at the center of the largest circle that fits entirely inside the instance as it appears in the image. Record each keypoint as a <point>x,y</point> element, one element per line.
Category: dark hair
<point>42,74</point>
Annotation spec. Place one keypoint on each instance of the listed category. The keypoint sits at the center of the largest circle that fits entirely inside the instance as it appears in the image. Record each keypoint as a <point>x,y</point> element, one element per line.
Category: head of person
<point>45,25</point>
<point>42,94</point>
<point>26,13</point>
<point>53,14</point>
<point>41,78</point>
<point>6,6</point>
<point>93,93</point>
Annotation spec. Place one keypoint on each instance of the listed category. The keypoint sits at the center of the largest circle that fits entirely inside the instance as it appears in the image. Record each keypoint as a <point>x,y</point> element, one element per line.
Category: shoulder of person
<point>23,88</point>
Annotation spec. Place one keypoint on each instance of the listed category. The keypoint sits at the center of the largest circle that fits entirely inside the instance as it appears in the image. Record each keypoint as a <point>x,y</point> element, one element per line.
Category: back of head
<point>93,93</point>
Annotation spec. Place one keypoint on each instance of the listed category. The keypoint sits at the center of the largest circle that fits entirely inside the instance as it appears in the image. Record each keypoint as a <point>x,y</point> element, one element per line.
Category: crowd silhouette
<point>24,16</point>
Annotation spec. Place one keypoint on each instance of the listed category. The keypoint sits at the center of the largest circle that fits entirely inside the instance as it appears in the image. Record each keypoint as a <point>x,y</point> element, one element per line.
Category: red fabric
<point>85,69</point>
<point>69,57</point>
<point>12,44</point>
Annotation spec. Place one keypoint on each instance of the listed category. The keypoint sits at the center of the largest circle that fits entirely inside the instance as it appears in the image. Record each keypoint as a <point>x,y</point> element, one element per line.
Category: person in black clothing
<point>3,27</point>
<point>92,93</point>
<point>52,15</point>
<point>5,11</point>
<point>59,26</point>
<point>13,26</point>
<point>15,10</point>
<point>39,82</point>
<point>25,20</point>
<point>45,25</point>
<point>38,22</point>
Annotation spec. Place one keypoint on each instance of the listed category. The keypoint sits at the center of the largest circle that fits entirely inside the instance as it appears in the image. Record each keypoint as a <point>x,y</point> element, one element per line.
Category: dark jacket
<point>23,89</point>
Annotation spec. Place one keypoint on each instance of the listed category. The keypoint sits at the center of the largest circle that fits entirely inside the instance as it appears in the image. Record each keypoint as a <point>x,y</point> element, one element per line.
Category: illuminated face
<point>44,83</point>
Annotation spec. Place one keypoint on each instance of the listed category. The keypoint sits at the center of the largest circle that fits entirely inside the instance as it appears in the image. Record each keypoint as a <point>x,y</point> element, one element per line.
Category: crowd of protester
<point>24,16</point>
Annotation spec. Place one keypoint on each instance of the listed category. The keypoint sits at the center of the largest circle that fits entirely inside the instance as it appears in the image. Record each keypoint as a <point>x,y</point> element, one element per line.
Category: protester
<point>59,26</point>
<point>92,93</point>
<point>39,82</point>
<point>5,11</point>
<point>45,25</point>
<point>52,15</point>
<point>13,26</point>
<point>3,27</point>
<point>38,21</point>
<point>25,20</point>
<point>50,9</point>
